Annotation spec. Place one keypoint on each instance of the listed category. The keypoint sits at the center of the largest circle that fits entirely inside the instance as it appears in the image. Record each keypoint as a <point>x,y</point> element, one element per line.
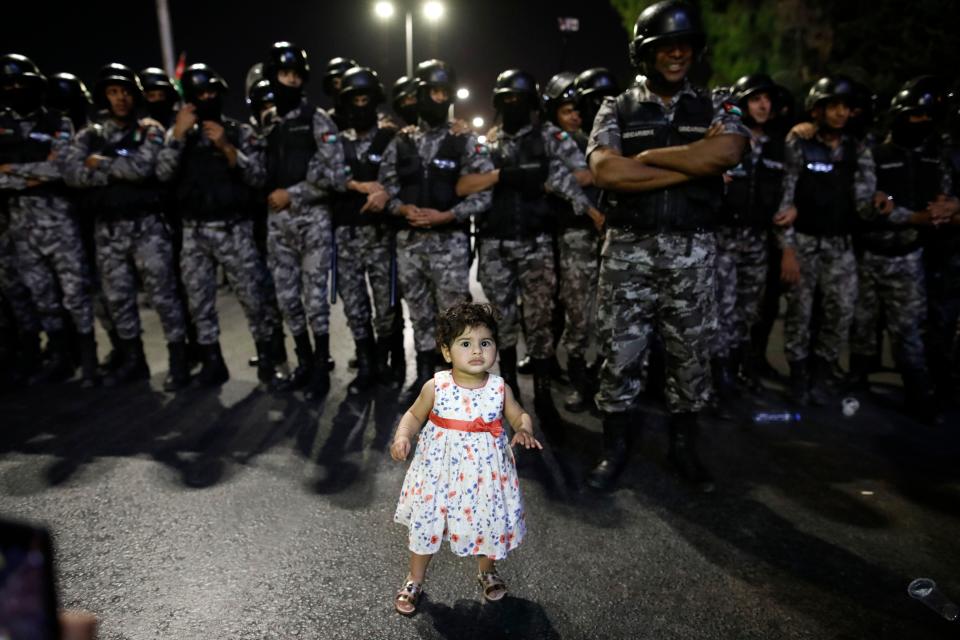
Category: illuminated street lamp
<point>463,93</point>
<point>432,11</point>
<point>478,122</point>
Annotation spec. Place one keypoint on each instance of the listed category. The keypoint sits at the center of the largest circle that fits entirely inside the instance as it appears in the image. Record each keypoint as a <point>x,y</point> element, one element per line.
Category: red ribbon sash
<point>494,428</point>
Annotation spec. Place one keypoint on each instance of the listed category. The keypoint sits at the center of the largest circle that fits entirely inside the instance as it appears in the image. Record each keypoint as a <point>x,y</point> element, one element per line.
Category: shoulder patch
<point>561,135</point>
<point>63,135</point>
<point>329,138</point>
<point>732,109</point>
<point>154,136</point>
<point>481,149</point>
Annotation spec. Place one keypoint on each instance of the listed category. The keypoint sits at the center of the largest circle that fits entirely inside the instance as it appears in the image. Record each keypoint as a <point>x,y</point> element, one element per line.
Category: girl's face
<point>473,351</point>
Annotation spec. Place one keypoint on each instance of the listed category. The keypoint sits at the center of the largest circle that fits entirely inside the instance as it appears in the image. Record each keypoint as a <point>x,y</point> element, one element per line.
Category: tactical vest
<point>752,197</point>
<point>913,179</point>
<point>122,198</point>
<point>517,213</point>
<point>363,168</point>
<point>825,190</point>
<point>35,147</point>
<point>290,147</point>
<point>207,188</point>
<point>562,209</point>
<point>684,208</point>
<point>435,185</point>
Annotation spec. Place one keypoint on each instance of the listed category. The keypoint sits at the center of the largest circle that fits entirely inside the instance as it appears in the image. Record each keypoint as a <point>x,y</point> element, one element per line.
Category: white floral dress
<point>462,486</point>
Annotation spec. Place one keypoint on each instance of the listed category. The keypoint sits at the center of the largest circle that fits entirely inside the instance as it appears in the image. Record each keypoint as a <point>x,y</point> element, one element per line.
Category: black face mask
<point>23,100</point>
<point>209,109</point>
<point>911,135</point>
<point>516,115</point>
<point>433,113</point>
<point>288,98</point>
<point>408,112</point>
<point>362,118</point>
<point>589,107</point>
<point>161,110</point>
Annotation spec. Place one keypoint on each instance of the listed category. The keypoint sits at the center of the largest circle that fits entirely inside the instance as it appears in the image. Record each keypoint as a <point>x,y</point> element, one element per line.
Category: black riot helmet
<point>259,97</point>
<point>832,88</point>
<point>434,74</point>
<point>254,75</point>
<point>518,83</point>
<point>336,67</point>
<point>667,20</point>
<point>592,86</point>
<point>153,78</point>
<point>559,91</point>
<point>402,89</point>
<point>67,93</point>
<point>22,83</point>
<point>286,55</point>
<point>750,84</point>
<point>923,94</point>
<point>198,78</point>
<point>116,74</point>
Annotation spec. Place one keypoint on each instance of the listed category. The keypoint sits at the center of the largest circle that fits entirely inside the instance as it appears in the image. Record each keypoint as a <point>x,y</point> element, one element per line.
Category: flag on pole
<point>178,72</point>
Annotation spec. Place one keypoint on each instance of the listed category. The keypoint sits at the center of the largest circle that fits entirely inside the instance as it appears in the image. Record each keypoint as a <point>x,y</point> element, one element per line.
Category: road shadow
<point>475,620</point>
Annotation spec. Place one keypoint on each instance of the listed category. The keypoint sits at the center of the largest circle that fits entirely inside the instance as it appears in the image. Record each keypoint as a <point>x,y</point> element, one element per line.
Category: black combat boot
<point>133,364</point>
<point>265,368</point>
<point>115,356</point>
<point>682,454</point>
<point>278,347</point>
<point>302,373</point>
<point>543,396</point>
<point>60,365</point>
<point>749,366</point>
<point>319,384</point>
<point>397,373</point>
<point>213,371</point>
<point>29,358</point>
<point>724,388</point>
<point>179,374</point>
<point>799,382</point>
<point>578,398</point>
<point>365,376</point>
<point>88,360</point>
<point>525,366</point>
<point>821,375</point>
<point>860,367</point>
<point>508,369</point>
<point>615,451</point>
<point>920,401</point>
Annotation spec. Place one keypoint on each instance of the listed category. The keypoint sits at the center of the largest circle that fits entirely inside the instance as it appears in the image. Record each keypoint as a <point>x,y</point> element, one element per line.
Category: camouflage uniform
<point>434,264</point>
<point>890,265</point>
<point>299,237</point>
<point>128,238</point>
<point>518,260</point>
<point>213,236</point>
<point>750,202</point>
<point>366,249</point>
<point>45,232</point>
<point>825,257</point>
<point>12,289</point>
<point>661,281</point>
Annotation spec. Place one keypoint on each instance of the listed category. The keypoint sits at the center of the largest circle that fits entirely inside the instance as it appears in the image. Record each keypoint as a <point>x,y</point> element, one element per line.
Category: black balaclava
<point>516,115</point>
<point>23,100</point>
<point>911,135</point>
<point>160,110</point>
<point>288,98</point>
<point>209,109</point>
<point>408,112</point>
<point>589,107</point>
<point>433,113</point>
<point>362,118</point>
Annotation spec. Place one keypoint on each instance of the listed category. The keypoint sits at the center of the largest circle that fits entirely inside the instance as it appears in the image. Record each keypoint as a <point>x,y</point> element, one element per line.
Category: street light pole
<point>409,43</point>
<point>166,36</point>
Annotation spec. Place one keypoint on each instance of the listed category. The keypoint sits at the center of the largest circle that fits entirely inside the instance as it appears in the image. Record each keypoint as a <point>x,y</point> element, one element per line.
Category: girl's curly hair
<point>460,317</point>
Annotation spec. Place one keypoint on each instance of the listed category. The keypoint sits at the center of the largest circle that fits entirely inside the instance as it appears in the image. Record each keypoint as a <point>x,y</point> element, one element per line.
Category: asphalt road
<point>235,514</point>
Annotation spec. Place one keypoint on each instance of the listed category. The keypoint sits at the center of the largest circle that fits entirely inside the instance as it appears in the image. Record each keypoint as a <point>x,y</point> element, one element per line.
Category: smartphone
<point>28,594</point>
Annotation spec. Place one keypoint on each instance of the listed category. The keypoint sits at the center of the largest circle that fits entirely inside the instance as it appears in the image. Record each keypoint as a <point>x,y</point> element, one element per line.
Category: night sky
<point>479,39</point>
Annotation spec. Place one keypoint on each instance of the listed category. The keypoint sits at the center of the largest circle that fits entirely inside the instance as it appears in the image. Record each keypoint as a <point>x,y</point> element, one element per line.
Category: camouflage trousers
<point>827,263</point>
<point>366,253</point>
<point>656,283</point>
<point>579,270</point>
<point>741,279</point>
<point>894,284</point>
<point>12,289</point>
<point>511,269</point>
<point>142,244</point>
<point>51,261</point>
<point>434,270</point>
<point>231,245</point>
<point>298,253</point>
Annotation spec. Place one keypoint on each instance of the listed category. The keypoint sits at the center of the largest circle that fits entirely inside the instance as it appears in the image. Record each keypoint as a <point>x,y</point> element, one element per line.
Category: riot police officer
<point>403,98</point>
<point>212,164</point>
<point>827,180</point>
<point>592,87</point>
<point>660,170</point>
<point>67,94</point>
<point>304,163</point>
<point>420,170</point>
<point>911,174</point>
<point>115,163</point>
<point>751,199</point>
<point>332,78</point>
<point>366,236</point>
<point>43,225</point>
